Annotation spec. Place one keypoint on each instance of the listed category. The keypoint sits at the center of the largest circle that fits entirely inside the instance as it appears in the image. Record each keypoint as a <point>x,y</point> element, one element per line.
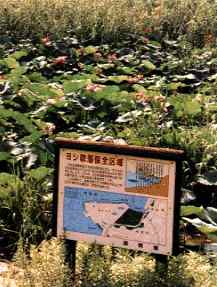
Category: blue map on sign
<point>82,206</point>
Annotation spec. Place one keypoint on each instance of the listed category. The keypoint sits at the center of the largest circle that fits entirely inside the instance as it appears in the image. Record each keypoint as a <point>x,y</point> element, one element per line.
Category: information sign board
<point>110,194</point>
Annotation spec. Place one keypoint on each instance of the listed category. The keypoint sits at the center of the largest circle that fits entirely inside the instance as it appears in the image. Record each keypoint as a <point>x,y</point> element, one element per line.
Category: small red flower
<point>147,30</point>
<point>134,80</point>
<point>60,60</point>
<point>141,97</point>
<point>46,41</point>
<point>209,39</point>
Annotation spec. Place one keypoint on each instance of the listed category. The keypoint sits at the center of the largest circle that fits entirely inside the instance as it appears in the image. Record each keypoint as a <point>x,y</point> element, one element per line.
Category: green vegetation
<point>142,72</point>
<point>150,93</point>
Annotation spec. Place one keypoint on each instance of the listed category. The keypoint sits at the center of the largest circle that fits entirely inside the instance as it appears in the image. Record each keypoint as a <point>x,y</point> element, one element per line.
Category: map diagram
<point>114,215</point>
<point>133,213</point>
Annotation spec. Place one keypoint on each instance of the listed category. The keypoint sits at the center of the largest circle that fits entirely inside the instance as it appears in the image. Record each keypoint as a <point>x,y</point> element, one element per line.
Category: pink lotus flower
<point>46,41</point>
<point>134,80</point>
<point>94,88</point>
<point>60,60</point>
<point>141,97</point>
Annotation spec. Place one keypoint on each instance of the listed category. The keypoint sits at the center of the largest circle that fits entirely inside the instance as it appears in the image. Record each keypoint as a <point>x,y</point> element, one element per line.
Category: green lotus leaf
<point>118,79</point>
<point>37,77</point>
<point>148,66</point>
<point>75,85</point>
<point>19,54</point>
<point>175,86</point>
<point>11,62</point>
<point>202,226</point>
<point>4,156</point>
<point>126,70</point>
<point>139,88</point>
<point>44,91</point>
<point>192,107</point>
<point>9,183</point>
<point>190,210</point>
<point>89,50</point>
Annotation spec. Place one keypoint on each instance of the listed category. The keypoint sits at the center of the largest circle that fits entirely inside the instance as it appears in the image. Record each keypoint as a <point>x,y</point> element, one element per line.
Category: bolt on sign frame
<point>118,195</point>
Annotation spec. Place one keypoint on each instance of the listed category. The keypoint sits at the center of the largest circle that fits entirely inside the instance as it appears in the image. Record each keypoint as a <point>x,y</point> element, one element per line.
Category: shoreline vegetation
<point>110,20</point>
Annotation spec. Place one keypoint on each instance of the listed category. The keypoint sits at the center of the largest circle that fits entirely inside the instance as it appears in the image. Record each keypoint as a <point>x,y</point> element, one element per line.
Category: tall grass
<point>110,19</point>
<point>44,266</point>
<point>195,19</point>
<point>100,267</point>
<point>104,19</point>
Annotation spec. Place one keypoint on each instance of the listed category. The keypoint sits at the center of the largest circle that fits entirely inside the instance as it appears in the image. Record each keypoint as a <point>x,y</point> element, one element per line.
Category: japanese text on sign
<point>93,171</point>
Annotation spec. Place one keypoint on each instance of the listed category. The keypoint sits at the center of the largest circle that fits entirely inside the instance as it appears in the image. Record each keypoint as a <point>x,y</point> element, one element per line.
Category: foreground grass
<point>102,266</point>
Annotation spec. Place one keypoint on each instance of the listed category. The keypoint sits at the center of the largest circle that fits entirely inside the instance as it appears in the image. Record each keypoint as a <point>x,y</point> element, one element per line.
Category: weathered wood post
<point>69,245</point>
<point>70,253</point>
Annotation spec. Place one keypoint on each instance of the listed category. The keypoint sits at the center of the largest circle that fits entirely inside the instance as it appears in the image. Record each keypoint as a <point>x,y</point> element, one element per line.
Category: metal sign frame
<point>164,154</point>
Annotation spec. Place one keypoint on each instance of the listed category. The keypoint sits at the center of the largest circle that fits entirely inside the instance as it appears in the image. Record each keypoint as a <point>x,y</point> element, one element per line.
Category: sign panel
<point>115,199</point>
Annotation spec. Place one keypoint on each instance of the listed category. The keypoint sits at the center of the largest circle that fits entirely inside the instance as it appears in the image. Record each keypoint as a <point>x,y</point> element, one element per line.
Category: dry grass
<point>104,267</point>
<point>87,18</point>
<point>43,267</point>
<point>110,19</point>
<point>196,19</point>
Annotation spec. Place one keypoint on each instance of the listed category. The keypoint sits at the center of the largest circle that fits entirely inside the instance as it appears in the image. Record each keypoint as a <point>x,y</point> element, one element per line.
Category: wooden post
<point>70,245</point>
<point>161,265</point>
<point>70,256</point>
